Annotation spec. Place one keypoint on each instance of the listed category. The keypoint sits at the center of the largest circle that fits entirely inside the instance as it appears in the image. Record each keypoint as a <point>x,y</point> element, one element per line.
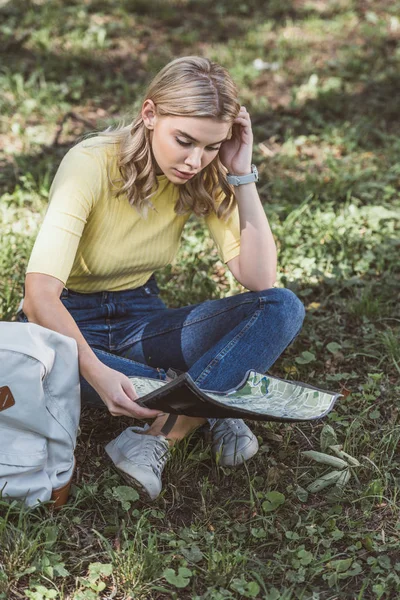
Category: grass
<point>324,107</point>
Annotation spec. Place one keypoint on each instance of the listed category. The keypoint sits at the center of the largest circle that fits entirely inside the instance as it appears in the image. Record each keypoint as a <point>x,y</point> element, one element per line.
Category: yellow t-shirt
<point>92,241</point>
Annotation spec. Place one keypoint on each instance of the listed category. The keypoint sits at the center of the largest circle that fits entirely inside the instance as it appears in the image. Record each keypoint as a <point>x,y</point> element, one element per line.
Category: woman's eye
<point>183,143</point>
<point>187,144</point>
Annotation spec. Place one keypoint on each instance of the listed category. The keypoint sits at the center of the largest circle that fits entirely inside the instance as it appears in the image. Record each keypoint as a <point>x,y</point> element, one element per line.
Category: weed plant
<point>321,81</point>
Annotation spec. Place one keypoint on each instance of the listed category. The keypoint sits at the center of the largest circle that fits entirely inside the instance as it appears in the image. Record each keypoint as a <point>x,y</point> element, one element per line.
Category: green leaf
<point>374,414</point>
<point>385,562</point>
<point>333,347</point>
<point>60,570</point>
<point>325,459</point>
<point>246,589</point>
<point>252,589</point>
<point>179,580</point>
<point>301,493</point>
<point>41,593</point>
<point>98,570</point>
<point>305,358</point>
<point>273,501</point>
<point>51,533</point>
<point>337,535</point>
<point>305,556</point>
<point>258,532</point>
<point>379,589</point>
<point>332,579</point>
<point>125,494</point>
<point>292,535</point>
<point>341,566</point>
<point>273,594</point>
<point>192,554</point>
<point>86,595</point>
<point>327,437</point>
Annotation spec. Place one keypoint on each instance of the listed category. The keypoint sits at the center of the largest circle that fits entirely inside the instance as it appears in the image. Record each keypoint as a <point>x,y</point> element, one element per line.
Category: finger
<point>134,415</point>
<point>147,413</point>
<point>243,131</point>
<point>132,409</point>
<point>243,119</point>
<point>144,413</point>
<point>132,405</point>
<point>243,111</point>
<point>129,389</point>
<point>242,125</point>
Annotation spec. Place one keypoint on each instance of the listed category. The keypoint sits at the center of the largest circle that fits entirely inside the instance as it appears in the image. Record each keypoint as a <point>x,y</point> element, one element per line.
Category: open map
<point>262,394</point>
<point>277,397</point>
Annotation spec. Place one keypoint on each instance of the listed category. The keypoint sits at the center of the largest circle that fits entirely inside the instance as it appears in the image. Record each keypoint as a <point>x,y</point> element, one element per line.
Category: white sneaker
<point>232,442</point>
<point>140,458</point>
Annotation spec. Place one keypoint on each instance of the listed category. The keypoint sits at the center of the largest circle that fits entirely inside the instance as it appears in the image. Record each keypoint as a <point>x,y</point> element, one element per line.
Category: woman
<point>118,205</point>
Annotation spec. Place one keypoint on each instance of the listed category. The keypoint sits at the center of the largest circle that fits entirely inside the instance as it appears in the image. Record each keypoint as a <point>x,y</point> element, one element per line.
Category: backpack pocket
<point>23,457</point>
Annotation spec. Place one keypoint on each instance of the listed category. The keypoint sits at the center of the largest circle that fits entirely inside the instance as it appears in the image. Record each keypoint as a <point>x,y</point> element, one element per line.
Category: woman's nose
<point>194,159</point>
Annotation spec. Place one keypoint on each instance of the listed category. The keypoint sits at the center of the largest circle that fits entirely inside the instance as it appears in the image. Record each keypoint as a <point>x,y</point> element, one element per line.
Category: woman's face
<point>183,146</point>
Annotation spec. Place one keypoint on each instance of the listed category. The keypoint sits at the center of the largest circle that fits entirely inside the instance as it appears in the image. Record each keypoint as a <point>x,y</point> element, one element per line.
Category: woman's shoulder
<point>97,147</point>
<point>89,164</point>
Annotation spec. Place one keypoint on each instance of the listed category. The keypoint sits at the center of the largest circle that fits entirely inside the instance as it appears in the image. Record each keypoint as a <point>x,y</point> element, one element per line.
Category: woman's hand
<point>118,394</point>
<point>235,154</point>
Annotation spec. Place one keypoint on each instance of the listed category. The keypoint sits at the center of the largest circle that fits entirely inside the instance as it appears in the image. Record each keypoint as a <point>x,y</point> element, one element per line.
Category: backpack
<point>39,413</point>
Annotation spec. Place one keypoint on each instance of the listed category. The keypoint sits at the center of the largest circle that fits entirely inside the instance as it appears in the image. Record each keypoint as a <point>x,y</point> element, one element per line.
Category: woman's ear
<point>149,115</point>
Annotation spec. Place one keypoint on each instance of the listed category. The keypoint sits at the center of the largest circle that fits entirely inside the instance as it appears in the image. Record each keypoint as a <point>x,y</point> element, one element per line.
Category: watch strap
<point>237,180</point>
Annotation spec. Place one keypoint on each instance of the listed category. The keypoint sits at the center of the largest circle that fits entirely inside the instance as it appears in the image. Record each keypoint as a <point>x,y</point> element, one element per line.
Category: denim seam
<point>206,371</point>
<point>186,324</point>
<point>128,360</point>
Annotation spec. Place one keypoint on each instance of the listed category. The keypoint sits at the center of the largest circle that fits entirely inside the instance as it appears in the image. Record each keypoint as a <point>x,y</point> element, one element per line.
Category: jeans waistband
<point>150,288</point>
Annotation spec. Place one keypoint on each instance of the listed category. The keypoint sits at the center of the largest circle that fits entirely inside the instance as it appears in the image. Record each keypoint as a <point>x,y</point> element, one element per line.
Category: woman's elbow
<point>261,288</point>
<point>40,290</point>
<point>261,284</point>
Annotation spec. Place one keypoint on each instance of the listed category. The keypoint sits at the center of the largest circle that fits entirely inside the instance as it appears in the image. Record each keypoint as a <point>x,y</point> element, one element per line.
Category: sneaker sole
<point>143,493</point>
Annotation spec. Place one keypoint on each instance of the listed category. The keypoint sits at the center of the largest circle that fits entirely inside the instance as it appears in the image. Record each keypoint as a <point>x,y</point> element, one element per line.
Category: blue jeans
<point>216,341</point>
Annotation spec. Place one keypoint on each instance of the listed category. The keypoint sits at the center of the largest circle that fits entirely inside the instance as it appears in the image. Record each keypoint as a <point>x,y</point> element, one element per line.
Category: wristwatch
<point>237,180</point>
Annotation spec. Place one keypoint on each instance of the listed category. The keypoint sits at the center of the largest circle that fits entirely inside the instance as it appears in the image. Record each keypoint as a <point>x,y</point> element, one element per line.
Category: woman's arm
<point>255,267</point>
<point>42,305</point>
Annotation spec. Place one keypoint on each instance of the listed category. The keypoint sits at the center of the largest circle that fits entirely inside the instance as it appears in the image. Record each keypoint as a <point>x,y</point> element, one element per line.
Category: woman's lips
<point>183,175</point>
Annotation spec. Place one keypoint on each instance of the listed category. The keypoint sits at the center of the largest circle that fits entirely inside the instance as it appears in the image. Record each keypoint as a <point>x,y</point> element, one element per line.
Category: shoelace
<point>157,450</point>
<point>225,424</point>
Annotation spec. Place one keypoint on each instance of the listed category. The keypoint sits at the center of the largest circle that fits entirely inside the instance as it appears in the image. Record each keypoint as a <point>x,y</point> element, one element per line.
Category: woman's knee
<point>291,305</point>
<point>288,309</point>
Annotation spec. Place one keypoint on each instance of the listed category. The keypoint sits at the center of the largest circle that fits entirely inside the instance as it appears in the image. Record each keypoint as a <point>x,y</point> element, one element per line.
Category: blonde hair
<point>191,86</point>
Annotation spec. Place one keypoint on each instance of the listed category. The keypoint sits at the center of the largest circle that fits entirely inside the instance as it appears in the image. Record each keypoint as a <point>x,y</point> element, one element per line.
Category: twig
<point>75,117</point>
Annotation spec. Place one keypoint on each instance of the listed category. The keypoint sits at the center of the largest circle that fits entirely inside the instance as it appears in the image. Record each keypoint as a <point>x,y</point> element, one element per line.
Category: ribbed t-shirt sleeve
<point>74,191</point>
<point>226,234</point>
